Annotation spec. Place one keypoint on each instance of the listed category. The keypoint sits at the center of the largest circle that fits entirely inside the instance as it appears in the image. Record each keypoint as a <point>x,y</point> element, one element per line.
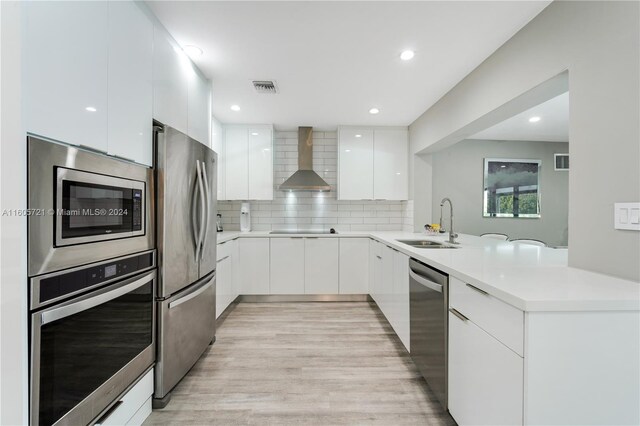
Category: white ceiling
<point>334,60</point>
<point>552,127</point>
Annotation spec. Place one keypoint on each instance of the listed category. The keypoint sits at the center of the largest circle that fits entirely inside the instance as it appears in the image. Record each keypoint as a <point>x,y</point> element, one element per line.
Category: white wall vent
<point>265,86</point>
<point>561,162</point>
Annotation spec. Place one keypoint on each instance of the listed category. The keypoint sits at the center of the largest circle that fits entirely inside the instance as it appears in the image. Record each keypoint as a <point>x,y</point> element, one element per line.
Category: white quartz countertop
<point>528,277</point>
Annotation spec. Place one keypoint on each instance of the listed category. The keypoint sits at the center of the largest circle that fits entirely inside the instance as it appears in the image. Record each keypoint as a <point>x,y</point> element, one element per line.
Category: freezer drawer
<point>186,326</point>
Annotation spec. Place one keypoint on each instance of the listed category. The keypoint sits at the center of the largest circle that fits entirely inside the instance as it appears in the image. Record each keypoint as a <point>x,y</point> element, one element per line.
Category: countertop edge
<point>505,296</point>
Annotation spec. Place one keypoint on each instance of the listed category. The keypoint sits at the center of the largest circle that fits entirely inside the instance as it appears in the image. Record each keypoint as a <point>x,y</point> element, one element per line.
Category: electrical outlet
<point>627,216</point>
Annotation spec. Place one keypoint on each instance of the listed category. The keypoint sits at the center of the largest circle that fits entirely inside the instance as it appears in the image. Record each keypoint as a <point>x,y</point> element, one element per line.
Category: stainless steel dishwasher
<point>429,291</point>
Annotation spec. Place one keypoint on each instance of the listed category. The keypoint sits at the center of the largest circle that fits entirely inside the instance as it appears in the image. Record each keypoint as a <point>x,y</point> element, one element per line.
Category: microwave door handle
<point>208,210</point>
<point>83,305</point>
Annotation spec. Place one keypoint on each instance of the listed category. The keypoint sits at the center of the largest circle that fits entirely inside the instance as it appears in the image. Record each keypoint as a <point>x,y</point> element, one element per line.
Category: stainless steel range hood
<point>305,179</point>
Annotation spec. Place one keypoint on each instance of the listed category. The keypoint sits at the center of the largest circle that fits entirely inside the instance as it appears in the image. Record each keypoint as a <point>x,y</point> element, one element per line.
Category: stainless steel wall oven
<point>86,350</point>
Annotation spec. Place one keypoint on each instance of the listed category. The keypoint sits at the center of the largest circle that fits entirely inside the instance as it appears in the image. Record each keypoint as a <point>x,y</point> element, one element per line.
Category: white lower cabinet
<point>226,272</point>
<point>400,298</point>
<point>254,270</point>
<point>386,283</point>
<point>375,271</point>
<point>287,265</point>
<point>224,277</point>
<point>321,265</point>
<point>354,266</point>
<point>485,377</point>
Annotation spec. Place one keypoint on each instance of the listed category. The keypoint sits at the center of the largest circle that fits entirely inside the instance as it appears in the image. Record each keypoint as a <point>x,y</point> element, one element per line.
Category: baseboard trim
<point>274,298</point>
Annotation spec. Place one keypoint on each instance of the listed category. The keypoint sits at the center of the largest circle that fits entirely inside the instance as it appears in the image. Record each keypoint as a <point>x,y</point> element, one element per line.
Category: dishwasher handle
<point>425,282</point>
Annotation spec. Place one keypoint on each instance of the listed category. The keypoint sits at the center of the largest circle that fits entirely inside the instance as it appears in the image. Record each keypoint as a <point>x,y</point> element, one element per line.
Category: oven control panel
<point>136,224</point>
<point>61,284</point>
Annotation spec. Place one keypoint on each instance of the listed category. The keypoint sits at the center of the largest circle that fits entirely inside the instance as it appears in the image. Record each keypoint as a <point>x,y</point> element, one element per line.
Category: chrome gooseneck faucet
<point>452,235</point>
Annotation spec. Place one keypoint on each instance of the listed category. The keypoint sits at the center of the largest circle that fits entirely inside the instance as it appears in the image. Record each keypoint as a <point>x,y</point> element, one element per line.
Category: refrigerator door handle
<point>208,210</point>
<point>202,213</point>
<point>194,293</point>
<point>194,219</point>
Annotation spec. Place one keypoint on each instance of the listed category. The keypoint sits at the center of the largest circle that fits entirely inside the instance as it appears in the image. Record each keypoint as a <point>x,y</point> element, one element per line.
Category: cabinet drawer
<point>129,405</point>
<point>224,250</point>
<point>497,318</point>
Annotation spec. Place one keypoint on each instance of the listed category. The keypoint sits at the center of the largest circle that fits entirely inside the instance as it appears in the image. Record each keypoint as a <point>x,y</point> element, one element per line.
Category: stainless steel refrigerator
<point>186,173</point>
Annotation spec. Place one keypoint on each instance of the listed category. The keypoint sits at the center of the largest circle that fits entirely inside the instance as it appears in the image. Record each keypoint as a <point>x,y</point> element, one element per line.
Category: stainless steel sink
<point>426,244</point>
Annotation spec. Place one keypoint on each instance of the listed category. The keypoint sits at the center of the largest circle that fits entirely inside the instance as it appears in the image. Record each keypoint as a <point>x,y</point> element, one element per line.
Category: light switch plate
<point>627,216</point>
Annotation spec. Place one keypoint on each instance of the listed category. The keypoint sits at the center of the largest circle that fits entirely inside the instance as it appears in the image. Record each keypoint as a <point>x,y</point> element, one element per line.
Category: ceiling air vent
<point>562,161</point>
<point>265,86</point>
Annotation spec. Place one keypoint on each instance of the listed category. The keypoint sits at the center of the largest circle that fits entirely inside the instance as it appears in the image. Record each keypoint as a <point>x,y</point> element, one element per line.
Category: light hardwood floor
<point>304,363</point>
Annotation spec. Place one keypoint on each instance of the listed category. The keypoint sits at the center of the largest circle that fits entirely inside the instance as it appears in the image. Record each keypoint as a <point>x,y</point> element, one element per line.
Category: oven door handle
<point>82,305</point>
<point>208,210</point>
<point>425,282</point>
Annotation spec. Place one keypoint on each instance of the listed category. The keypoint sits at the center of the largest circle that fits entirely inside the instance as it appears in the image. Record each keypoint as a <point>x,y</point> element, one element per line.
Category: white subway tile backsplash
<point>311,210</point>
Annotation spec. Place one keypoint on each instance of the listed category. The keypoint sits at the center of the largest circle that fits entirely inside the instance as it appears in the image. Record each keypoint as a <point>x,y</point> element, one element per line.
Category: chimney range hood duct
<point>305,179</point>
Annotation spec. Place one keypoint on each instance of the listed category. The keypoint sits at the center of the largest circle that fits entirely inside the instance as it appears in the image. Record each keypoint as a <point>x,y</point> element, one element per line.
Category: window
<point>511,188</point>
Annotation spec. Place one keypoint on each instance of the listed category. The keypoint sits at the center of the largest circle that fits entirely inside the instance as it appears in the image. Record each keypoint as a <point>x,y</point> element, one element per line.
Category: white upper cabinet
<point>97,73</point>
<point>373,163</point>
<point>260,163</point>
<point>248,162</point>
<point>199,112</point>
<point>236,151</point>
<point>218,146</point>
<point>130,90</point>
<point>172,71</point>
<point>181,96</point>
<point>355,164</point>
<point>390,158</point>
<point>65,71</point>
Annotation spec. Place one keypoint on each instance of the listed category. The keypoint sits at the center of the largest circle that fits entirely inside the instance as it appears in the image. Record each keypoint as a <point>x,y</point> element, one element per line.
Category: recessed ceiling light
<point>193,51</point>
<point>358,136</point>
<point>235,107</point>
<point>347,150</point>
<point>374,111</point>
<point>254,134</point>
<point>407,55</point>
<point>534,119</point>
<point>91,109</point>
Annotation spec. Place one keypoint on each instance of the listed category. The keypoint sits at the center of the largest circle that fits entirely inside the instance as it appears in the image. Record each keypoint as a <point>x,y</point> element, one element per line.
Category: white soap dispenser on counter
<point>245,218</point>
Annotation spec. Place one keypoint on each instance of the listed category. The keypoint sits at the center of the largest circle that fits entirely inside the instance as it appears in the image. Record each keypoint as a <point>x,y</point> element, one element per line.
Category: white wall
<point>13,230</point>
<point>458,173</point>
<point>314,210</point>
<point>598,43</point>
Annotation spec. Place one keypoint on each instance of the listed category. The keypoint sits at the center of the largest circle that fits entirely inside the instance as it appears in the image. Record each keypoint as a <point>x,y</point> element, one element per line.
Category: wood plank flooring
<point>303,363</point>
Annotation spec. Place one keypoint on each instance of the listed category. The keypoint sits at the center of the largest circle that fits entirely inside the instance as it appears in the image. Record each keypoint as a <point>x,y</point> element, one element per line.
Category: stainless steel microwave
<point>85,207</point>
<point>92,207</point>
